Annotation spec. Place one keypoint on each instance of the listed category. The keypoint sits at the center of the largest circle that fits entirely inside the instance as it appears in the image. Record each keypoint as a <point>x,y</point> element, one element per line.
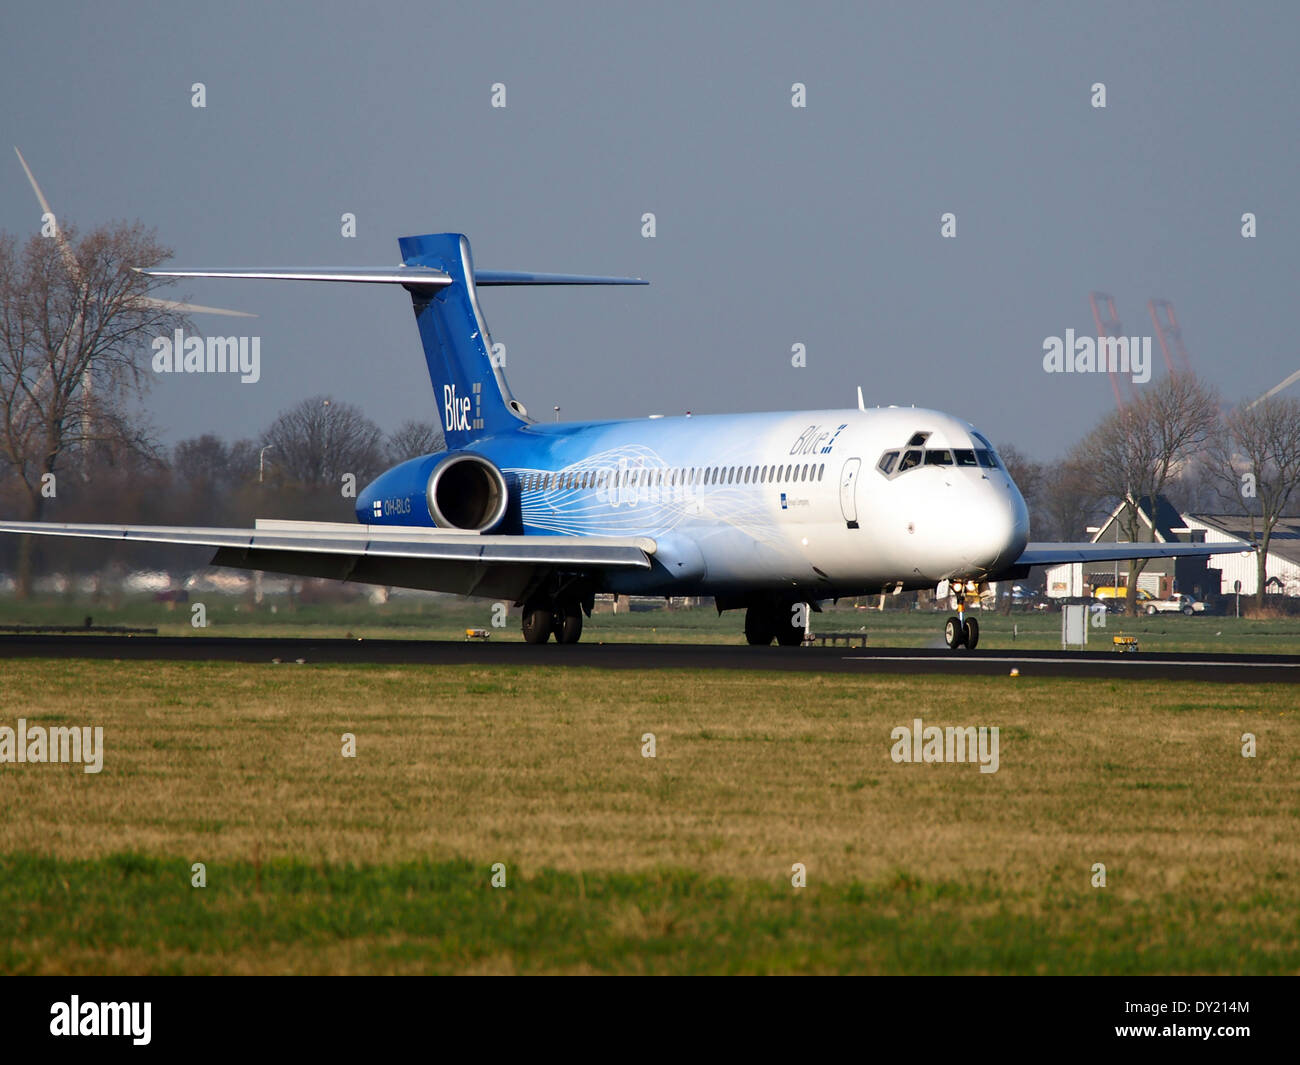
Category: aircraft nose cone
<point>997,529</point>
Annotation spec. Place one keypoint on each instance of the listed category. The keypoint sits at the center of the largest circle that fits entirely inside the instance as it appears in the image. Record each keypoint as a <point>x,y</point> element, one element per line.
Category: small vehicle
<point>1121,594</point>
<point>1116,599</point>
<point>1178,603</point>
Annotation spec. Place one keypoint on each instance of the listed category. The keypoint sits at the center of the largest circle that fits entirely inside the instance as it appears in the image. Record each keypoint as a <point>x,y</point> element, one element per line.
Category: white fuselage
<point>788,502</point>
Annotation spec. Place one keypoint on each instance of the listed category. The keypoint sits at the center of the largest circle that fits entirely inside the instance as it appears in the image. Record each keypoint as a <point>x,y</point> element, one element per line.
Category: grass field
<point>615,862</point>
<point>448,618</point>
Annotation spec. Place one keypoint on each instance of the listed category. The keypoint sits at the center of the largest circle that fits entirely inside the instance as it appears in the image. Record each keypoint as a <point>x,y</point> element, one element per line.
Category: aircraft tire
<point>787,634</point>
<point>953,633</point>
<point>759,626</point>
<point>972,635</point>
<point>568,627</point>
<point>538,623</point>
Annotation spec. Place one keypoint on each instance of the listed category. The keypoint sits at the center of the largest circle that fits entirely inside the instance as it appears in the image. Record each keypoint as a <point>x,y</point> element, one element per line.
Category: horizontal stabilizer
<point>515,277</point>
<point>410,276</point>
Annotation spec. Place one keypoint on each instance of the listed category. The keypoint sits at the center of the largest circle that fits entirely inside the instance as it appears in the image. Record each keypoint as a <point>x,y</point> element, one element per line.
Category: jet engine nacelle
<point>450,489</point>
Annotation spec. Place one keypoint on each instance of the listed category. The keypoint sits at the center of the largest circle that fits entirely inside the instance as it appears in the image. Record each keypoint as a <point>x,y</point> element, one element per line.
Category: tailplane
<point>467,375</point>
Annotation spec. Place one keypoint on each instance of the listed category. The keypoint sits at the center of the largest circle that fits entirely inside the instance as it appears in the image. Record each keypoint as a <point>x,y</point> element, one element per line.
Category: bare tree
<point>1027,474</point>
<point>1068,502</point>
<point>1137,451</point>
<point>75,321</point>
<point>320,441</point>
<point>1255,461</point>
<point>412,439</point>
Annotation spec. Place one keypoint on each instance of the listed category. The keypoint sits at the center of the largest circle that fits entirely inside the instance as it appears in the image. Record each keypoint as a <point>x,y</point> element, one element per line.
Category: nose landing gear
<point>961,631</point>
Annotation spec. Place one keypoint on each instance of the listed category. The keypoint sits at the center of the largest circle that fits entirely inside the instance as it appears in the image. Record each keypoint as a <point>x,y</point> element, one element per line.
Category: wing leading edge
<point>409,556</point>
<point>1045,554</point>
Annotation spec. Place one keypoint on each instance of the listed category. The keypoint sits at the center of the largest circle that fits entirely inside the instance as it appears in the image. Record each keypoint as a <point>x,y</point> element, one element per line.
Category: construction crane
<point>1107,320</point>
<point>1168,332</point>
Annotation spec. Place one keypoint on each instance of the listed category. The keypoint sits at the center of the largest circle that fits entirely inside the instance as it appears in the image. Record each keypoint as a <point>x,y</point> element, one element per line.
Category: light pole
<point>261,462</point>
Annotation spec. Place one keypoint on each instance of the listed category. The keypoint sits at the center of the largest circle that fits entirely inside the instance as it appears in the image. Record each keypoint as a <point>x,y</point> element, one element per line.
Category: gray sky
<point>775,225</point>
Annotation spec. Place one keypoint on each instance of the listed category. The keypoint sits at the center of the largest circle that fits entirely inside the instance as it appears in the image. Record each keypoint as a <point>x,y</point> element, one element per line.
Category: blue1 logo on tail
<point>455,409</point>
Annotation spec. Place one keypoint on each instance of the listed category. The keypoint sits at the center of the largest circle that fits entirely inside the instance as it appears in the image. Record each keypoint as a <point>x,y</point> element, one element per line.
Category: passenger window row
<point>668,478</point>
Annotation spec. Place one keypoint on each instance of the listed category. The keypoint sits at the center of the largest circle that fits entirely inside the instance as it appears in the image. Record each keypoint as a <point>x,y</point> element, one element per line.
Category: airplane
<point>774,513</point>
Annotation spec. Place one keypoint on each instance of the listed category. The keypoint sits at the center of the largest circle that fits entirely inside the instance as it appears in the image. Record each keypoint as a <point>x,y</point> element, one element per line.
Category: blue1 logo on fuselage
<point>455,409</point>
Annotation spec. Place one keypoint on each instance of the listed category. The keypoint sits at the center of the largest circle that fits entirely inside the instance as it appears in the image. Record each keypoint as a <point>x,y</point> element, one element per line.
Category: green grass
<point>621,863</point>
<point>128,912</point>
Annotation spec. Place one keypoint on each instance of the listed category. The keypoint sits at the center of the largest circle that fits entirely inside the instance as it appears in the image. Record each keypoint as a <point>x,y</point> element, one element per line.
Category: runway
<point>1235,669</point>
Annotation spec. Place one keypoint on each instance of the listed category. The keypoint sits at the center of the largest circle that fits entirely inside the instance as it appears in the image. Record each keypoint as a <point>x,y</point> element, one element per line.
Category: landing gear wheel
<point>538,623</point>
<point>954,633</point>
<point>568,626</point>
<point>972,634</point>
<point>758,626</point>
<point>787,633</point>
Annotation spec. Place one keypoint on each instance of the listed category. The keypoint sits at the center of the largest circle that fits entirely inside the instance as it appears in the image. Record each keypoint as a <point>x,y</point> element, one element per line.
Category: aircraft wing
<point>1056,554</point>
<point>407,556</point>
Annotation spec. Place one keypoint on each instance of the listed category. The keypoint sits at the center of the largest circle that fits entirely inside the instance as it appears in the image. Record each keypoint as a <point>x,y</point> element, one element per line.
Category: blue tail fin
<point>473,396</point>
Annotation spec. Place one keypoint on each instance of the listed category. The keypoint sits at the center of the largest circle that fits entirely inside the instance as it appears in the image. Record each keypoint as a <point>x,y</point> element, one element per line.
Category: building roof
<point>1284,543</point>
<point>1158,515</point>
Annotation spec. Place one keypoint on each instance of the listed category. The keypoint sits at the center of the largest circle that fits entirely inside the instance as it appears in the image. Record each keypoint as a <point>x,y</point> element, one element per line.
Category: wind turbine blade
<point>1277,388</point>
<point>191,308</point>
<point>69,259</point>
<point>31,178</point>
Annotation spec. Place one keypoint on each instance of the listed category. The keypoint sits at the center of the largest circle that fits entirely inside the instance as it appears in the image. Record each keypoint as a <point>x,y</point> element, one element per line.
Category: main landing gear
<point>765,622</point>
<point>961,631</point>
<point>544,617</point>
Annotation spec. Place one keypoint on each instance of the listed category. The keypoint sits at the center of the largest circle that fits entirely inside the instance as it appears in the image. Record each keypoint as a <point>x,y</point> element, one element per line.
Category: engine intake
<point>466,491</point>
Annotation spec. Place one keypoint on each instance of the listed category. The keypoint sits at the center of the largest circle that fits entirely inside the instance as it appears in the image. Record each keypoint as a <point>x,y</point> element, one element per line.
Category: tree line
<point>77,318</point>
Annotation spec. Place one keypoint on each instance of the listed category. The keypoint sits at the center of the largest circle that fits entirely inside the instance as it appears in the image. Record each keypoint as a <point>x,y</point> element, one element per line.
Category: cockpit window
<point>916,455</point>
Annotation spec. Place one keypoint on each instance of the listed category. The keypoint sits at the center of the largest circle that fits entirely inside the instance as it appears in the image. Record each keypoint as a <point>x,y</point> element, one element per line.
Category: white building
<point>1282,569</point>
<point>1161,523</point>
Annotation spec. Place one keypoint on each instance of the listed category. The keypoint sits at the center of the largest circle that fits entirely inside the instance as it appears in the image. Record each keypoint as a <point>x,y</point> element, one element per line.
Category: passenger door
<point>848,492</point>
